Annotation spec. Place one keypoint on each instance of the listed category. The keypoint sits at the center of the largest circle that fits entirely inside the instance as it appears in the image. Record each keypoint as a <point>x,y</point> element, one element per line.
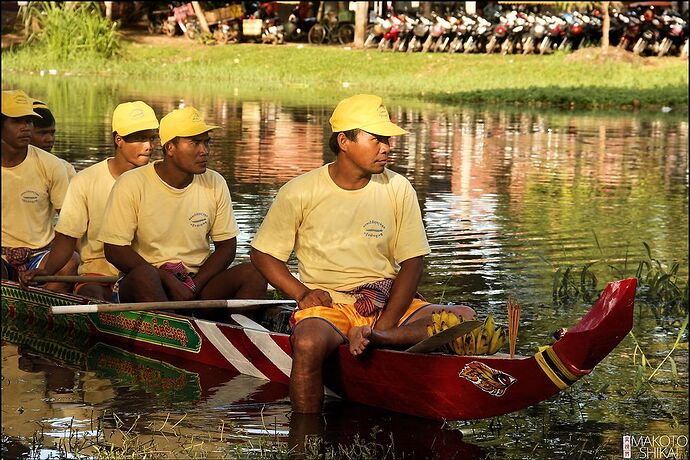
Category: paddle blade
<point>438,340</point>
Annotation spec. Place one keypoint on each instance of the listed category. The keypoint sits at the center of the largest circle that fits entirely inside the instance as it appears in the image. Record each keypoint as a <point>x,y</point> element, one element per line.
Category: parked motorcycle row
<point>645,33</point>
<point>232,24</point>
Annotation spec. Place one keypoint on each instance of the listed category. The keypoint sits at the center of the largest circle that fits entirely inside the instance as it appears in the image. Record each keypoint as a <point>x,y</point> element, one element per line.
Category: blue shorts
<point>36,259</point>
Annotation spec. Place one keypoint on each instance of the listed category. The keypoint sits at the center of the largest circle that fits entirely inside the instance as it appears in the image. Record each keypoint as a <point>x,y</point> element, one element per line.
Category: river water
<point>508,198</point>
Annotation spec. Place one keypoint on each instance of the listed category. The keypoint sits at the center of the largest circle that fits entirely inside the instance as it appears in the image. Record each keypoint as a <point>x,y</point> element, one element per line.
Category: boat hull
<point>436,386</point>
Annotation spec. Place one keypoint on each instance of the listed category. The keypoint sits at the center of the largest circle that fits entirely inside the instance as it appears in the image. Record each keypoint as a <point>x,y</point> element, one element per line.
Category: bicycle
<point>331,30</point>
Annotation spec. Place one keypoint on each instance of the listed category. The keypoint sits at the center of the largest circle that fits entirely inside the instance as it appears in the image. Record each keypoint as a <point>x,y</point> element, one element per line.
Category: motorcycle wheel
<point>639,47</point>
<point>169,29</point>
<point>491,45</point>
<point>346,34</point>
<point>427,44</point>
<point>664,47</point>
<point>412,45</point>
<point>507,46</point>
<point>528,47</point>
<point>383,44</point>
<point>469,45</point>
<point>545,45</point>
<point>396,45</point>
<point>316,34</point>
<point>220,37</point>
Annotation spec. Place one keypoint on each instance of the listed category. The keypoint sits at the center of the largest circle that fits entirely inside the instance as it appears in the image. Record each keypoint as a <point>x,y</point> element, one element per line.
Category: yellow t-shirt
<point>82,214</point>
<point>165,224</point>
<point>344,238</point>
<point>71,172</point>
<point>32,191</point>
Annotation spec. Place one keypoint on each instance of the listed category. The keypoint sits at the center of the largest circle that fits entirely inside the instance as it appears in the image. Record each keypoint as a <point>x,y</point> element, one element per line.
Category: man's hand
<point>175,288</point>
<point>314,298</point>
<point>27,278</point>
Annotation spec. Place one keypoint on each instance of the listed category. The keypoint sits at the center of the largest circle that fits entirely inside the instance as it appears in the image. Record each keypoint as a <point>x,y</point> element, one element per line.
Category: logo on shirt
<point>198,219</point>
<point>30,196</point>
<point>373,229</point>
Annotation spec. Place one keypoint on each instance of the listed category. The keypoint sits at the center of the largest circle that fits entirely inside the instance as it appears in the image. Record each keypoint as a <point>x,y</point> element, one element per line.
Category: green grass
<point>330,73</point>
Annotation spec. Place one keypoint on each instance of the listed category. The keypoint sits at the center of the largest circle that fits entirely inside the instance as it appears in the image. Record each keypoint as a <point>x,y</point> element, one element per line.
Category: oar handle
<point>74,279</point>
<point>235,304</point>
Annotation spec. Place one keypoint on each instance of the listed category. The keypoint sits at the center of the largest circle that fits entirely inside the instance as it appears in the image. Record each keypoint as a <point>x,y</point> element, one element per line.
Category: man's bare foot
<point>360,337</point>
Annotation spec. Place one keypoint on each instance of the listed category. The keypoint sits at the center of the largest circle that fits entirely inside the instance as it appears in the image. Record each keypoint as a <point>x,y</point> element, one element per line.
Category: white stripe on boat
<point>228,350</point>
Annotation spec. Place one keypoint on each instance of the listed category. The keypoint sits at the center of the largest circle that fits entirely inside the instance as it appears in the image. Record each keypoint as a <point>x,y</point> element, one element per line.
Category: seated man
<point>135,136</point>
<point>43,135</point>
<point>160,217</point>
<point>34,183</point>
<point>357,231</point>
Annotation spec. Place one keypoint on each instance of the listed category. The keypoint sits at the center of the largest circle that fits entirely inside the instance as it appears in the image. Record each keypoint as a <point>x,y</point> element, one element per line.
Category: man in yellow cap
<point>34,183</point>
<point>159,220</point>
<point>357,231</point>
<point>43,135</point>
<point>135,137</point>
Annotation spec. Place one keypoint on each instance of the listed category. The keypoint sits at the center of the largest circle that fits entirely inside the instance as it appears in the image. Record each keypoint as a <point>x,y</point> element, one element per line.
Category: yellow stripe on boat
<point>553,367</point>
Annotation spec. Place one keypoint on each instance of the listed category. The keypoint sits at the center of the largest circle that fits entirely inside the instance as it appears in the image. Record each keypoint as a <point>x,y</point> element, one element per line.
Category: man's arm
<point>60,253</point>
<point>125,259</point>
<point>218,261</point>
<point>402,292</point>
<point>276,272</point>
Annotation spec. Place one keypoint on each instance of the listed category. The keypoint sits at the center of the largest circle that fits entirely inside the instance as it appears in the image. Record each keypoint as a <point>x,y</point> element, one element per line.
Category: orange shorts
<point>78,286</point>
<point>344,316</point>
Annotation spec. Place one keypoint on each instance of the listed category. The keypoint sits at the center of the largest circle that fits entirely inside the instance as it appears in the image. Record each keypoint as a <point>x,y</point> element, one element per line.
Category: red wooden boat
<point>436,386</point>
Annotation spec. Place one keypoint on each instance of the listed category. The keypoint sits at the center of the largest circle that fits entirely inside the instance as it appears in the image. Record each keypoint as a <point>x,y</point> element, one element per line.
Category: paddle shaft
<point>75,279</point>
<point>234,304</point>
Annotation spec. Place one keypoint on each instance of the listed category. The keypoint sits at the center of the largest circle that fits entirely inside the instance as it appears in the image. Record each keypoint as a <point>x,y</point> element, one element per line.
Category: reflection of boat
<point>435,386</point>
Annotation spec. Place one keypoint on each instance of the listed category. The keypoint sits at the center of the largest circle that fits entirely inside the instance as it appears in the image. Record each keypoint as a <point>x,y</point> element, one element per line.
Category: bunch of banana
<point>487,339</point>
<point>442,321</point>
<point>484,340</point>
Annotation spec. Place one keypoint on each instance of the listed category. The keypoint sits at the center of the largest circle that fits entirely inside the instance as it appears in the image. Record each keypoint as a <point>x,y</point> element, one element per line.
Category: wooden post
<point>605,27</point>
<point>200,17</point>
<point>109,10</point>
<point>361,23</point>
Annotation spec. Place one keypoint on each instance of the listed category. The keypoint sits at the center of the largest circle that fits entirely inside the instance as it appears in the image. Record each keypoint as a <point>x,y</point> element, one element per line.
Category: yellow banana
<point>430,330</point>
<point>482,345</point>
<point>497,340</point>
<point>469,344</point>
<point>458,346</point>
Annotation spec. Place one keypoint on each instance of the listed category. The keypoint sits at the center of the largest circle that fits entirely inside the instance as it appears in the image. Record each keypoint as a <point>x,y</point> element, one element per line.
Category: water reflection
<point>507,196</point>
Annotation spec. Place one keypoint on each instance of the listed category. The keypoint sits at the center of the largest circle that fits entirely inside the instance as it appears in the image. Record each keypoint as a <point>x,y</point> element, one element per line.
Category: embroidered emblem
<point>374,229</point>
<point>487,378</point>
<point>198,219</point>
<point>30,196</point>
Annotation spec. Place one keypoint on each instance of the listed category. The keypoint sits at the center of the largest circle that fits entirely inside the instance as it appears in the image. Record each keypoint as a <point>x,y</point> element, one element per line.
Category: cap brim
<point>12,114</point>
<point>384,128</point>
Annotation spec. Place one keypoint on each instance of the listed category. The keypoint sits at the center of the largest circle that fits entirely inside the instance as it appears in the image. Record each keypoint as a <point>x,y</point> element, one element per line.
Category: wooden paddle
<point>75,279</point>
<point>444,337</point>
<point>235,304</point>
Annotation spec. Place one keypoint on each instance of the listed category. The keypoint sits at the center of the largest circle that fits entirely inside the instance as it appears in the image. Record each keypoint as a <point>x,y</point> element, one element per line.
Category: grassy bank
<point>561,80</point>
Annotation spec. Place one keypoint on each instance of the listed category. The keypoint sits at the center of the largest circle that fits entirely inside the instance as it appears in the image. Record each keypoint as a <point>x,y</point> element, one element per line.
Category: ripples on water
<point>506,196</point>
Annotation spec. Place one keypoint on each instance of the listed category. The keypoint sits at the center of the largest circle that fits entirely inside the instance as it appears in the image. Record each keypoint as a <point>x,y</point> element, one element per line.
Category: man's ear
<point>342,141</point>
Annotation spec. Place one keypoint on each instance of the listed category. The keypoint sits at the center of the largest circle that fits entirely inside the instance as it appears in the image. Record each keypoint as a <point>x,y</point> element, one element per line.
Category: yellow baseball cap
<point>365,112</point>
<point>185,122</point>
<point>16,103</point>
<point>130,117</point>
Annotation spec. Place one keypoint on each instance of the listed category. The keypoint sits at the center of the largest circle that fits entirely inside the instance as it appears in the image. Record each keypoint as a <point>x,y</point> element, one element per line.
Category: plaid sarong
<point>20,258</point>
<point>372,297</point>
<point>180,271</point>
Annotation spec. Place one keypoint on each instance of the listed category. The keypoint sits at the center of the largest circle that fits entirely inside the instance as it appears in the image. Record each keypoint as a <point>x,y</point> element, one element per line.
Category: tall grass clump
<point>71,30</point>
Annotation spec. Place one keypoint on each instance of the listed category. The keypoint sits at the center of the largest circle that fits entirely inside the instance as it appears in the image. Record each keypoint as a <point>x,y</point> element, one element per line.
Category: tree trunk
<point>200,17</point>
<point>361,23</point>
<point>109,10</point>
<point>605,27</point>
